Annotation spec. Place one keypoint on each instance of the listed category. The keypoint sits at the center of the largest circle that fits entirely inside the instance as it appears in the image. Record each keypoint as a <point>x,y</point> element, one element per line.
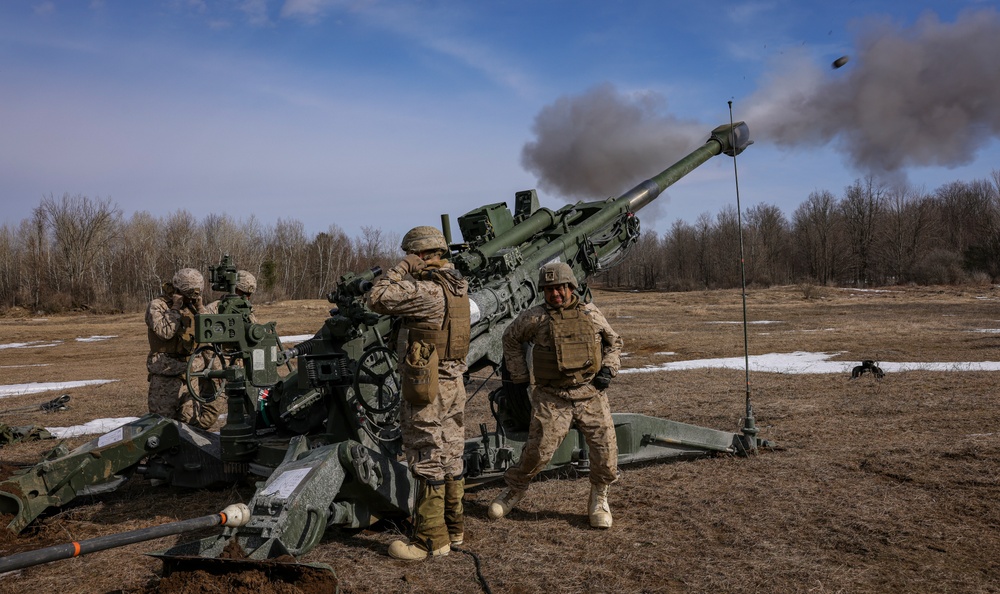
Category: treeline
<point>78,253</point>
<point>872,235</point>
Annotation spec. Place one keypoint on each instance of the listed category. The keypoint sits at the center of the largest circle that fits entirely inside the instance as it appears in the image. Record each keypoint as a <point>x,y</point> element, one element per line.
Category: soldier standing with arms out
<point>435,312</point>
<point>575,355</point>
<point>170,329</point>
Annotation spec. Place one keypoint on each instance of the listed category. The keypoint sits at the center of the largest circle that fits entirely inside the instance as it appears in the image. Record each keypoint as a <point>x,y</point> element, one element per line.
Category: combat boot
<point>454,511</point>
<point>431,534</point>
<point>600,511</point>
<point>505,502</point>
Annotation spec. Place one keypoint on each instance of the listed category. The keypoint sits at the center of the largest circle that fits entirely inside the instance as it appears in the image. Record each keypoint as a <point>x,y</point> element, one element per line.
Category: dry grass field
<point>876,485</point>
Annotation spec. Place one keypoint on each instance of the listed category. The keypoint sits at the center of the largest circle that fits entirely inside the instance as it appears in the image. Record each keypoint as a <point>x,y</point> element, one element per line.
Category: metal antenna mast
<point>749,427</point>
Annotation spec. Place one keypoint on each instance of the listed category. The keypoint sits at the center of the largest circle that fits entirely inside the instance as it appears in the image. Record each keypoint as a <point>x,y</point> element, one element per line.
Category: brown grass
<point>877,486</point>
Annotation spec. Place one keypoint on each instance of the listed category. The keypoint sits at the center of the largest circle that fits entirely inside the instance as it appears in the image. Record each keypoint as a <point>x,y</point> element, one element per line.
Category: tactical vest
<point>182,344</point>
<point>451,340</point>
<point>576,354</point>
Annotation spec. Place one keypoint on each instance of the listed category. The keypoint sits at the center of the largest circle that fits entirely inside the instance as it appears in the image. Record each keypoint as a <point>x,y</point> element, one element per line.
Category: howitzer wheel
<point>212,362</point>
<point>376,384</point>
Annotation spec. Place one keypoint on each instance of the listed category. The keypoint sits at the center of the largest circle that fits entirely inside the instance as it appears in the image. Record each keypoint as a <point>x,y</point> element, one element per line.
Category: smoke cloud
<point>924,96</point>
<point>928,95</point>
<point>602,142</point>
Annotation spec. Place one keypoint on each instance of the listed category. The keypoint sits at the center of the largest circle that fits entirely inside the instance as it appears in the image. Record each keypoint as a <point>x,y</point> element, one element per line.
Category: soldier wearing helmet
<point>246,283</point>
<point>170,330</point>
<point>434,307</point>
<point>574,356</point>
<point>246,286</point>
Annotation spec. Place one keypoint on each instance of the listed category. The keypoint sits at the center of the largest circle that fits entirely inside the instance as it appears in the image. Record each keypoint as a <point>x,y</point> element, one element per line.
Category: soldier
<point>435,312</point>
<point>246,286</point>
<point>170,329</point>
<point>575,355</point>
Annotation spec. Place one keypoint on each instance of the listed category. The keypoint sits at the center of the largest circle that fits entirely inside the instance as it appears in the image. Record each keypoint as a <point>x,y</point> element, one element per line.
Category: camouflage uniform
<point>556,407</point>
<point>171,343</point>
<point>246,284</point>
<point>433,433</point>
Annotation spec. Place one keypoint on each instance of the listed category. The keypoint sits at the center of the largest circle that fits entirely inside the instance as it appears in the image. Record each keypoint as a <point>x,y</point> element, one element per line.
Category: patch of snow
<point>36,387</point>
<point>753,322</point>
<point>91,427</point>
<point>96,338</point>
<point>33,344</point>
<point>802,363</point>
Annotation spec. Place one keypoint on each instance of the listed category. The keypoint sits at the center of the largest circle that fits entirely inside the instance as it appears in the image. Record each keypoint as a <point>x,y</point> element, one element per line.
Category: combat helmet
<point>556,273</point>
<point>246,282</point>
<point>187,279</point>
<point>423,238</point>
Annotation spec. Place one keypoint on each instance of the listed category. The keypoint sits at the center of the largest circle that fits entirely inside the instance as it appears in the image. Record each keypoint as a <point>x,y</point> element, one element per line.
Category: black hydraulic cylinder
<point>234,515</point>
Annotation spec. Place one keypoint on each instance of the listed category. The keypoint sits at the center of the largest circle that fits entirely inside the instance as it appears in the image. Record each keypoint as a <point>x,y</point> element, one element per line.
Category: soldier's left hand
<point>412,263</point>
<point>602,380</point>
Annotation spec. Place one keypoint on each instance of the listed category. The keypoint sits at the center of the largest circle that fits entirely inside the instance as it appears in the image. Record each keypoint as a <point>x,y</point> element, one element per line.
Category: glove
<point>176,301</point>
<point>411,264</point>
<point>602,380</point>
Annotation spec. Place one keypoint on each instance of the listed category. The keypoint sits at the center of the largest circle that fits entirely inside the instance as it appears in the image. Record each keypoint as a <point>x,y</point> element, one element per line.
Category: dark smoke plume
<point>924,96</point>
<point>601,143</point>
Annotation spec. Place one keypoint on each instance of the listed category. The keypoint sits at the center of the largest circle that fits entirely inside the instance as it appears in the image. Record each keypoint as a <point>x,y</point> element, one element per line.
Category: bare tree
<point>332,254</point>
<point>10,267</point>
<point>726,248</point>
<point>705,256</point>
<point>680,249</point>
<point>767,245</point>
<point>862,208</point>
<point>373,248</point>
<point>965,211</point>
<point>816,228</point>
<point>81,229</point>
<point>287,252</point>
<point>180,245</point>
<point>906,227</point>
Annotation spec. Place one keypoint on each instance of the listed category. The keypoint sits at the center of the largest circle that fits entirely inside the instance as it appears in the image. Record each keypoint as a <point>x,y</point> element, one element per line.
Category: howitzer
<point>325,437</point>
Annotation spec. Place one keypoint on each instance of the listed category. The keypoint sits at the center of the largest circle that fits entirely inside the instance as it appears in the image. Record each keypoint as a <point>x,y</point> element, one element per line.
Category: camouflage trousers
<point>434,434</point>
<point>553,411</point>
<point>169,397</point>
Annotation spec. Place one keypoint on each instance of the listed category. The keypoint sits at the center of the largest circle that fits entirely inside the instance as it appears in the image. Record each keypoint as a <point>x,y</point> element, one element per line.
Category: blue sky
<point>390,113</point>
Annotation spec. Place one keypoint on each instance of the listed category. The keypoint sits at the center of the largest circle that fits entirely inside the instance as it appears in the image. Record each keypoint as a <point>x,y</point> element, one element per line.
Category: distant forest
<point>81,253</point>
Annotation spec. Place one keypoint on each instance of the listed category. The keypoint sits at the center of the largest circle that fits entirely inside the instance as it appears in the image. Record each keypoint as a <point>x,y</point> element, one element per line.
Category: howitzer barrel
<point>234,515</point>
<point>730,139</point>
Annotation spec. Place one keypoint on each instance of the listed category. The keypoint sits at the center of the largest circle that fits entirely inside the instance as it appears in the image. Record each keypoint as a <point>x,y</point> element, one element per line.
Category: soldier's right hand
<point>176,301</point>
<point>412,264</point>
<point>603,379</point>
